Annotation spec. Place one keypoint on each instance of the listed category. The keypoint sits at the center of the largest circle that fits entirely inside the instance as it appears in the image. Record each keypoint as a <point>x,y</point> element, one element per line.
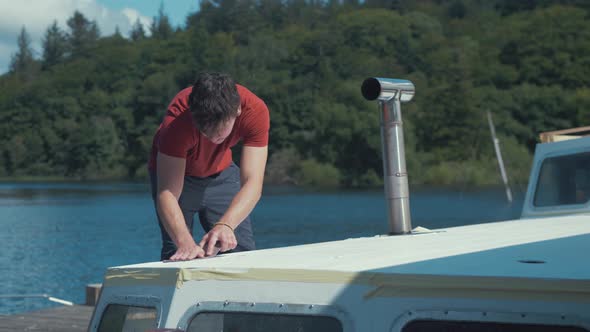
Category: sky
<point>37,15</point>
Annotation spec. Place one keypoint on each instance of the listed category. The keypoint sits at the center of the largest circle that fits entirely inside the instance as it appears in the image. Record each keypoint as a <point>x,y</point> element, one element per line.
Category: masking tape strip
<point>141,277</point>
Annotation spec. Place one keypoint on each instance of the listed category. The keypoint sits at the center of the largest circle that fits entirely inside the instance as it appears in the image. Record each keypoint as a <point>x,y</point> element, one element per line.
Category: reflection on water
<point>57,238</point>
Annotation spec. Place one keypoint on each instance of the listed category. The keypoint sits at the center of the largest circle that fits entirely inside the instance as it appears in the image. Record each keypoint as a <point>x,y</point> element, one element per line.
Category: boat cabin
<point>559,182</point>
<point>528,274</point>
<point>520,275</point>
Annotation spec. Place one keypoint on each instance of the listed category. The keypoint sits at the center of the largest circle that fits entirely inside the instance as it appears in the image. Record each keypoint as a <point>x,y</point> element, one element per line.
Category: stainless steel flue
<point>390,93</point>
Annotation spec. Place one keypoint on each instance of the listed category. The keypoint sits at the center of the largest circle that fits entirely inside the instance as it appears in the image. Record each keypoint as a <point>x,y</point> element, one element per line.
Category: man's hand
<point>188,251</point>
<point>220,238</point>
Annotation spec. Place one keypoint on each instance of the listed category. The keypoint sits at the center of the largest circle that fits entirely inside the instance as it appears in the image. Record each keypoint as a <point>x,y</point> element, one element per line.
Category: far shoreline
<point>269,185</point>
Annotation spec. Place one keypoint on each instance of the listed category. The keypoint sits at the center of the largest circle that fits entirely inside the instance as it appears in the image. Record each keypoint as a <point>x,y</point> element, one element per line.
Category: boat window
<point>464,326</point>
<point>564,180</point>
<point>124,318</point>
<point>259,322</point>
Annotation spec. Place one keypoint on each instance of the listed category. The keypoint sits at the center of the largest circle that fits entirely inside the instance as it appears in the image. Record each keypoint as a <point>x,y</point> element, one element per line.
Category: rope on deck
<point>45,296</point>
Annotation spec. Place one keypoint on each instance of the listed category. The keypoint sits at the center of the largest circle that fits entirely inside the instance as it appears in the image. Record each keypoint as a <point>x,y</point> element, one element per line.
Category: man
<point>192,172</point>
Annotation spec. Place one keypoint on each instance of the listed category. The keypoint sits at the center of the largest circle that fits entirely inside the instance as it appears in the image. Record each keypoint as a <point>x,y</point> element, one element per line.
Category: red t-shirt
<point>178,137</point>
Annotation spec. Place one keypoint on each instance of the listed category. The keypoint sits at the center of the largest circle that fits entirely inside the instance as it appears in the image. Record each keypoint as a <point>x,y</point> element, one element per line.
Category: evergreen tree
<point>457,9</point>
<point>161,27</point>
<point>117,33</point>
<point>398,5</point>
<point>137,31</point>
<point>22,61</point>
<point>55,46</point>
<point>272,11</point>
<point>83,34</point>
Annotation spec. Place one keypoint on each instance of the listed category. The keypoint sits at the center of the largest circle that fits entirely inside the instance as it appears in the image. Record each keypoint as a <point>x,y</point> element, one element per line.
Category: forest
<point>86,106</point>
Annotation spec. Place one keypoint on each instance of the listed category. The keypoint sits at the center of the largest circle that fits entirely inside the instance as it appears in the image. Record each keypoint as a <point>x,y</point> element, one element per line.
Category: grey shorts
<point>208,197</point>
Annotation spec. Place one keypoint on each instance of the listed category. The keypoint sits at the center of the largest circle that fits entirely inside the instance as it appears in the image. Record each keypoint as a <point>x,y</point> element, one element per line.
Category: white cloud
<point>37,15</point>
<point>133,15</point>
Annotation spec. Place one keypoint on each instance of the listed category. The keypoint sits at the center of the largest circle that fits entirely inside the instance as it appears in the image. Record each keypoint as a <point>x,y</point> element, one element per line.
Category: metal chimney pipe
<point>390,92</point>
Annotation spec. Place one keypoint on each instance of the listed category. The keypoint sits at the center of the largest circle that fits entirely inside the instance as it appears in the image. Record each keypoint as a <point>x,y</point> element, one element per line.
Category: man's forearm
<point>172,218</point>
<point>242,204</point>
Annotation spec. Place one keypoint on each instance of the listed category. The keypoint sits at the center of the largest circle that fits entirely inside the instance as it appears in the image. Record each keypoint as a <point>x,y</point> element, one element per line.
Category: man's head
<point>214,104</point>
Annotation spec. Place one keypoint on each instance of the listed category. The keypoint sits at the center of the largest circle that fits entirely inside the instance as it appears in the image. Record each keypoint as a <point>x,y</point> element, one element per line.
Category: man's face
<point>218,135</point>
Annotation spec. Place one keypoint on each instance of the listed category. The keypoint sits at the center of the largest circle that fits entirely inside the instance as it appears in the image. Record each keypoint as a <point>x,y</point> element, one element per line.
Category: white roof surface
<point>487,250</point>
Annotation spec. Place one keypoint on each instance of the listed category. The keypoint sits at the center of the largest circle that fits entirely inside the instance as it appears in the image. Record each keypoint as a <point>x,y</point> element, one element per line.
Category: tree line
<point>88,106</point>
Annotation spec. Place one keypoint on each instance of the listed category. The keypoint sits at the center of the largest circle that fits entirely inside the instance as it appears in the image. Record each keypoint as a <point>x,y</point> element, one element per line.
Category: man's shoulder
<point>184,93</point>
<point>248,98</point>
<point>254,122</point>
<point>180,124</point>
<point>182,96</point>
<point>179,103</point>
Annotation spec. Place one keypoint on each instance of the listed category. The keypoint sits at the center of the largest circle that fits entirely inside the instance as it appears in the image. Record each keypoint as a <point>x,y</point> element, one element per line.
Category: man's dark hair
<point>214,100</point>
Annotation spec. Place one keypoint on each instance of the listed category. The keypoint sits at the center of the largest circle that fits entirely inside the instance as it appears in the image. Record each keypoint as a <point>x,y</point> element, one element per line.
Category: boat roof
<point>545,248</point>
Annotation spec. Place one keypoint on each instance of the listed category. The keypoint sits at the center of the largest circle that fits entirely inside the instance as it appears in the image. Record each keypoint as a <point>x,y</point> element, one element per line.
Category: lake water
<point>57,238</point>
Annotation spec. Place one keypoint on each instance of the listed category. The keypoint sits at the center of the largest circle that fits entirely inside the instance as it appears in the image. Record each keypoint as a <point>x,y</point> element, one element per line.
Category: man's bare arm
<point>252,168</point>
<point>170,182</point>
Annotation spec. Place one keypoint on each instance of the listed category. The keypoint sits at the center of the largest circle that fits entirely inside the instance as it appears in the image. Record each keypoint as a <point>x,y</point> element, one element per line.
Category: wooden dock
<point>64,319</point>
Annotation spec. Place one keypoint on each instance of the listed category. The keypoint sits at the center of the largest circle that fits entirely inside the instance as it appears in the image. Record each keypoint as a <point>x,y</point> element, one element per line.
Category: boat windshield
<point>240,321</point>
<point>564,180</point>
